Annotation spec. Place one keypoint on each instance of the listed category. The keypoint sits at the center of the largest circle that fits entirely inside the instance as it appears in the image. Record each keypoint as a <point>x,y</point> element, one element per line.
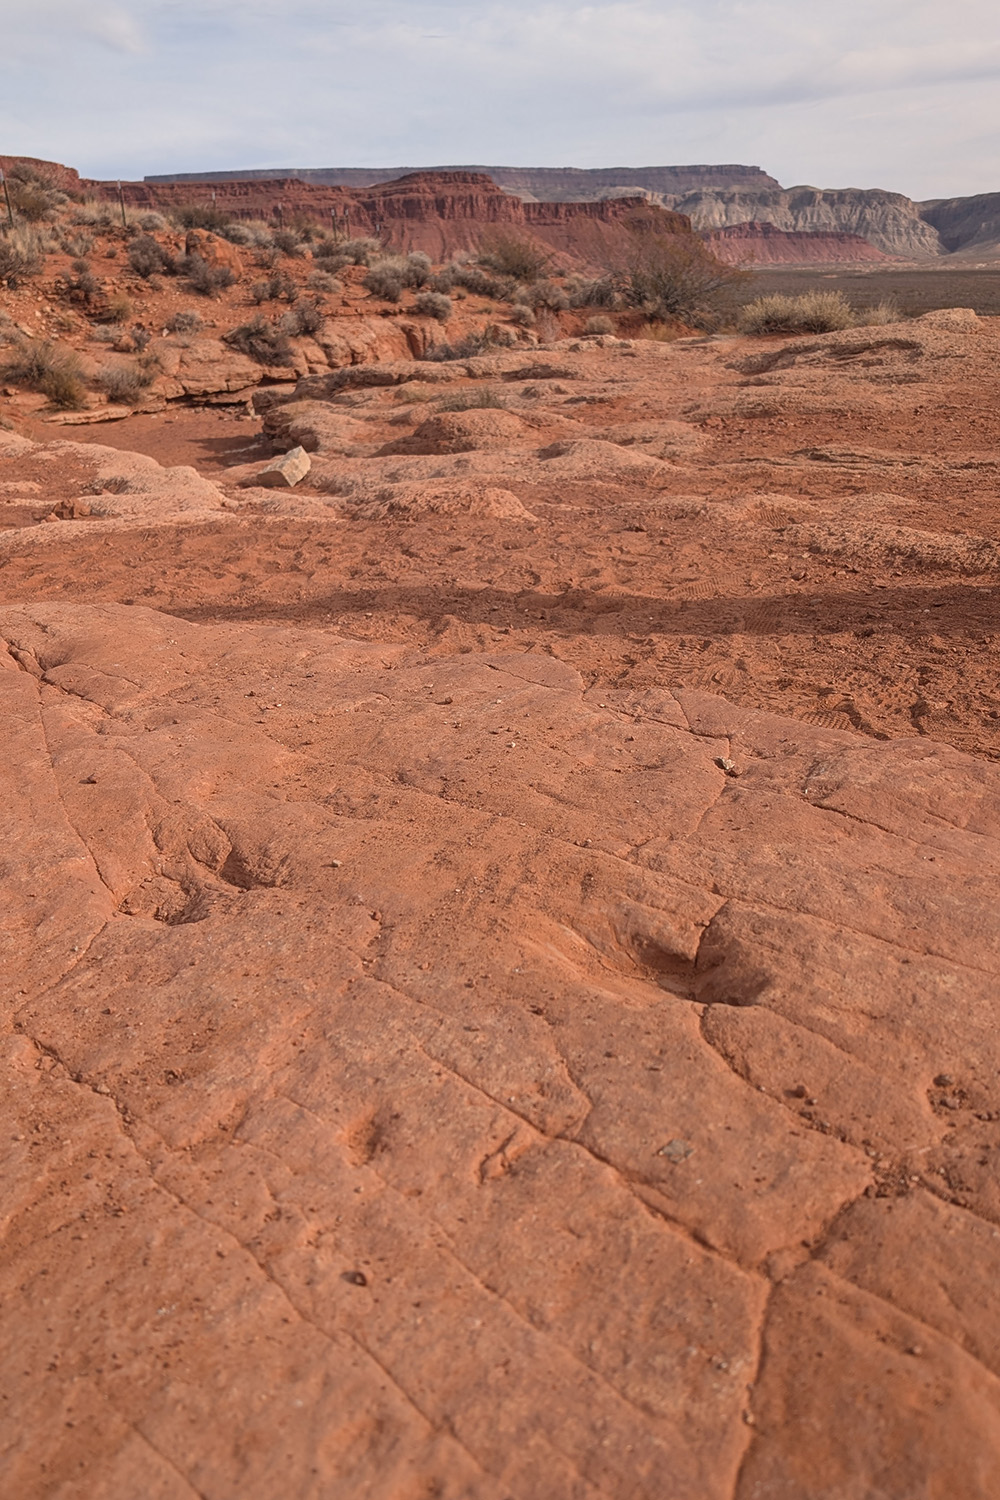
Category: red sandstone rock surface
<point>500,941</point>
<point>437,212</point>
<point>764,245</point>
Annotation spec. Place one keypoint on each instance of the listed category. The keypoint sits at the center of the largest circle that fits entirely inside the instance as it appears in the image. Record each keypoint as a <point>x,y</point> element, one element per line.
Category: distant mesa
<point>582,213</point>
<point>547,184</point>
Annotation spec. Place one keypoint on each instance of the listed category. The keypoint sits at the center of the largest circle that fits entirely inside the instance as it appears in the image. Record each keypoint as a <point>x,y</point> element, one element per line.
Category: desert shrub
<point>304,317</point>
<point>288,241</point>
<point>592,292</point>
<point>323,281</point>
<point>202,216</point>
<point>474,279</point>
<point>82,285</point>
<point>140,337</point>
<point>77,245</point>
<point>276,287</point>
<point>262,341</point>
<point>117,309</point>
<point>677,276</point>
<point>486,396</point>
<point>148,258</point>
<point>493,337</point>
<point>96,215</point>
<point>512,255</point>
<point>32,193</point>
<point>22,253</point>
<point>522,315</point>
<point>886,311</point>
<point>41,366</point>
<point>388,277</point>
<point>124,384</point>
<point>813,312</point>
<point>545,294</point>
<point>333,256</point>
<point>251,233</point>
<point>547,325</point>
<point>434,305</point>
<point>65,389</point>
<point>185,322</point>
<point>600,324</point>
<point>146,219</point>
<point>418,268</point>
<point>205,279</point>
<point>360,252</point>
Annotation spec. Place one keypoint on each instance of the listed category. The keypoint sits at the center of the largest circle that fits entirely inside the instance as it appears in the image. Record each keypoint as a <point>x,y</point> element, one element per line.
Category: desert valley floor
<point>502,942</point>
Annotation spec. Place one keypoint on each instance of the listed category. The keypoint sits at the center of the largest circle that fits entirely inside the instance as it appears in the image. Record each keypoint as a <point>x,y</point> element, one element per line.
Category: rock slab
<point>428,1075</point>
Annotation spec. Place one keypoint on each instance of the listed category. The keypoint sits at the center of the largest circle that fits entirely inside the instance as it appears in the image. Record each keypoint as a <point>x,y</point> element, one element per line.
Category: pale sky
<point>899,94</point>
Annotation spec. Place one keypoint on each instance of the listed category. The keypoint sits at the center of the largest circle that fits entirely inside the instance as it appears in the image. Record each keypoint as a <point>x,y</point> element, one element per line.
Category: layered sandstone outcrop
<point>889,221</point>
<point>764,245</point>
<point>441,213</point>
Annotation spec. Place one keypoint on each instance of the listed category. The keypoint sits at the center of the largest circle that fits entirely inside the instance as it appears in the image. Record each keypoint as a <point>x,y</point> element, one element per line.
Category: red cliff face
<point>441,213</point>
<point>763,244</point>
<point>66,179</point>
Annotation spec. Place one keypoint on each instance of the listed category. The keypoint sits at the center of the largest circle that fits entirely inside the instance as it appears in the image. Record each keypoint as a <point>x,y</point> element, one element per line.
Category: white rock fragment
<point>285,471</point>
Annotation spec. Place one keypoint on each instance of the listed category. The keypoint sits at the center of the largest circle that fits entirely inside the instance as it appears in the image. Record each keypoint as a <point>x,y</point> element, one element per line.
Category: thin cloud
<point>174,84</point>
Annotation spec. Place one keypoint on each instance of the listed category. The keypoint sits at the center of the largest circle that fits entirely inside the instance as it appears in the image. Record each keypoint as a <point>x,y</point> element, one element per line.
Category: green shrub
<point>813,312</point>
<point>262,341</point>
